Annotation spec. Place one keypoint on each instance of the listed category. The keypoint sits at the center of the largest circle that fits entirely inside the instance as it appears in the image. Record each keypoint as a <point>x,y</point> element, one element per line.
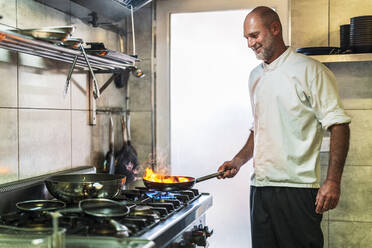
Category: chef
<point>294,99</point>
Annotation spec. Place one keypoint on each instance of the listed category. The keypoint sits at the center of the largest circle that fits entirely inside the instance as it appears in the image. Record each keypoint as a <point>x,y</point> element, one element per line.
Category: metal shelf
<point>23,44</point>
<point>358,57</point>
<point>77,58</point>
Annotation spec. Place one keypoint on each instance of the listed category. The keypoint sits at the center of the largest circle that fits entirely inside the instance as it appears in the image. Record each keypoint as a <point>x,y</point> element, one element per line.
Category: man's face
<point>259,37</point>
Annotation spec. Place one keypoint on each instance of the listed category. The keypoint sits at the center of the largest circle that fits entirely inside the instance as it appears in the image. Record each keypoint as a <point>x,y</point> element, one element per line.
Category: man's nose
<point>251,42</point>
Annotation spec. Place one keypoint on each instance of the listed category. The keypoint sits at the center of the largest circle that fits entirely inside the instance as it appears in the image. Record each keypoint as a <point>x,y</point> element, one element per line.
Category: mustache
<point>256,48</point>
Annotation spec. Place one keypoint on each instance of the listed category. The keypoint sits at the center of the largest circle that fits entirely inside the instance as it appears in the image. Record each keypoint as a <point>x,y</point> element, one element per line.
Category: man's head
<point>263,30</point>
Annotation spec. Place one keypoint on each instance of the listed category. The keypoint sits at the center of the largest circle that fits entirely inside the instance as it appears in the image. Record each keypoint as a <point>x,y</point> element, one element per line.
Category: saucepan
<point>72,188</point>
<point>182,182</point>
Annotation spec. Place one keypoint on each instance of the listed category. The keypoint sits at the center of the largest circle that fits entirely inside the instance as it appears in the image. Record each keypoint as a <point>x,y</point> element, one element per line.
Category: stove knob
<point>200,235</point>
<point>208,232</point>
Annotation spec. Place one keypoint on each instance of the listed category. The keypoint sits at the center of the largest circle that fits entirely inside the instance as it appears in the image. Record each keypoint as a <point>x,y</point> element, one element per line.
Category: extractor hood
<point>114,10</point>
<point>97,11</point>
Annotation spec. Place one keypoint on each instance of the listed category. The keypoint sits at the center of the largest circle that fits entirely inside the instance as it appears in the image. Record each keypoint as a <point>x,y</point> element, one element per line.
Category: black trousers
<point>284,217</point>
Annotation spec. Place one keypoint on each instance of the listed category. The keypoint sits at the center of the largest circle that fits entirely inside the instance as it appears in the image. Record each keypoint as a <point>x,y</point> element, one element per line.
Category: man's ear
<point>275,28</point>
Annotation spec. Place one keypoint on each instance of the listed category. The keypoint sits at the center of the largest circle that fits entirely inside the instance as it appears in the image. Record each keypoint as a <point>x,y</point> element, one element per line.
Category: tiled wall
<point>40,130</point>
<point>350,224</point>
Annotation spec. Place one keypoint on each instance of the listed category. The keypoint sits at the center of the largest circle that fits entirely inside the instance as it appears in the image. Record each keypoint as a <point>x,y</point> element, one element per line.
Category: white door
<point>210,113</point>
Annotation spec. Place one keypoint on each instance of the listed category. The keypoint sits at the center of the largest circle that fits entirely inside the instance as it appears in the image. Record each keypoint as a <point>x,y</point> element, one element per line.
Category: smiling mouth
<point>257,51</point>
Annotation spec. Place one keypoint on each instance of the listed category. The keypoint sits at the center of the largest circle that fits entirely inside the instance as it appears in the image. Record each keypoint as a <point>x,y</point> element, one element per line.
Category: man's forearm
<point>340,135</point>
<point>246,152</point>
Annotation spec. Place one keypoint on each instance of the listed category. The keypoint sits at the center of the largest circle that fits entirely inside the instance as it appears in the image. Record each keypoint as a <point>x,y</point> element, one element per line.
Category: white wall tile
<point>32,14</point>
<point>8,80</point>
<point>44,141</point>
<point>8,145</point>
<point>8,12</point>
<point>81,139</point>
<point>356,195</point>
<point>360,137</point>
<point>79,89</point>
<point>39,88</point>
<point>309,23</point>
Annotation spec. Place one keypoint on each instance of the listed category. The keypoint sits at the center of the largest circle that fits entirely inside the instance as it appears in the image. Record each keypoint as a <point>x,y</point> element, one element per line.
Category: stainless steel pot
<point>75,187</point>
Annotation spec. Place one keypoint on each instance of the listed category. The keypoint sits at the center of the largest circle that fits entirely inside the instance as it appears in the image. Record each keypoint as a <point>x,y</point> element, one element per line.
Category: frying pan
<point>180,185</point>
<point>104,208</point>
<point>107,209</point>
<point>40,205</point>
<point>72,188</point>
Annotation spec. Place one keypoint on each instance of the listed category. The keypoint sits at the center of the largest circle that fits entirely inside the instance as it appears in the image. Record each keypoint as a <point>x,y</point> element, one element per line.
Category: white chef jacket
<point>293,99</point>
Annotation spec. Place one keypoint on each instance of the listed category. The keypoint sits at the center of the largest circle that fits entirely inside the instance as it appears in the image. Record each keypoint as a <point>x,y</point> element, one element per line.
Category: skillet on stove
<point>182,182</point>
<point>40,205</point>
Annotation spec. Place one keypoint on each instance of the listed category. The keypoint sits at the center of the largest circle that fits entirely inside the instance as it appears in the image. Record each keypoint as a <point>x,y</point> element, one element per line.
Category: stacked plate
<point>345,37</point>
<point>361,34</point>
<point>318,50</point>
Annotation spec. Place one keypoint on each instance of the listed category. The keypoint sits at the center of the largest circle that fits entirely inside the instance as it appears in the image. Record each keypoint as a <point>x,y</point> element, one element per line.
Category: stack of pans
<point>361,34</point>
<point>345,37</point>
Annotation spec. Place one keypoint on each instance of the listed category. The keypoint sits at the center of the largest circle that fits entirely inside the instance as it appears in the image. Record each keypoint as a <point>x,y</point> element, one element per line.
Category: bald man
<point>294,100</point>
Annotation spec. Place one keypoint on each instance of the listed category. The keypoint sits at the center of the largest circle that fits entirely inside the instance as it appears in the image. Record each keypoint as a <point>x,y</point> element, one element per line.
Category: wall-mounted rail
<point>23,44</point>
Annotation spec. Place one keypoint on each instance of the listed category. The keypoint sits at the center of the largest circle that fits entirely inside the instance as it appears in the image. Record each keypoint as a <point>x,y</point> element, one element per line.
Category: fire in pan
<point>172,183</point>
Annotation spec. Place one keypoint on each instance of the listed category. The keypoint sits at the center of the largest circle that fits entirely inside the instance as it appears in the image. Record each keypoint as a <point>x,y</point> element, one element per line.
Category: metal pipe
<point>133,33</point>
<point>39,45</point>
<point>16,46</point>
<point>44,56</point>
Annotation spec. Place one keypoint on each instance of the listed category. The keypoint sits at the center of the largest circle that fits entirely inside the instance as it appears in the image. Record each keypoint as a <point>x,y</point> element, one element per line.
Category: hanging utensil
<point>69,76</point>
<point>126,162</point>
<point>96,88</point>
<point>109,163</point>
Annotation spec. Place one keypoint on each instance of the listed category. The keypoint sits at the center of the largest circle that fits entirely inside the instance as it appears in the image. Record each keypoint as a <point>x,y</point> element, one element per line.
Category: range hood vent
<point>114,10</point>
<point>104,11</point>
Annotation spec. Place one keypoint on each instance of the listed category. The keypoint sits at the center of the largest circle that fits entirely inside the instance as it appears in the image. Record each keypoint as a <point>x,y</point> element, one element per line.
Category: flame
<point>150,175</point>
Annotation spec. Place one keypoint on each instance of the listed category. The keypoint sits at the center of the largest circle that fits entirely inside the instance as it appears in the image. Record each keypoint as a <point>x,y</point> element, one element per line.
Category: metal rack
<point>23,44</point>
<point>76,57</point>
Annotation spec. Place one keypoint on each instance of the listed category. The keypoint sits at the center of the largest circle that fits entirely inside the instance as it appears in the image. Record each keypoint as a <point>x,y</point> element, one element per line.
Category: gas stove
<point>156,219</point>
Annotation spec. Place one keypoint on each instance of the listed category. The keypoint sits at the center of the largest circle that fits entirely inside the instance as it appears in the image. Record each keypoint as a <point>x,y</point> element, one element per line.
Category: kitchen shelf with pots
<point>335,58</point>
<point>78,58</point>
<point>20,43</point>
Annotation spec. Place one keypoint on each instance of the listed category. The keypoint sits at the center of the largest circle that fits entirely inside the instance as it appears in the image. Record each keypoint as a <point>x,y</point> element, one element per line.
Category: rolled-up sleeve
<point>325,100</point>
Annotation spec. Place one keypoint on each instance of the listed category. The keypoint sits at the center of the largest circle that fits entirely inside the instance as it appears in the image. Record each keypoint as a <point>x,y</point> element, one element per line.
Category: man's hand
<point>328,196</point>
<point>231,168</point>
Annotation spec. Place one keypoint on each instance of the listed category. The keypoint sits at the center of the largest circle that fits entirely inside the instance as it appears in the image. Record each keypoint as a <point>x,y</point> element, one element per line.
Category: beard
<point>267,49</point>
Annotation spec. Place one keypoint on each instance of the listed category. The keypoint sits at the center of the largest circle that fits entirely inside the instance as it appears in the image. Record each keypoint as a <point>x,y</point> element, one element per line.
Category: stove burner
<point>142,209</point>
<point>160,195</point>
<point>147,209</point>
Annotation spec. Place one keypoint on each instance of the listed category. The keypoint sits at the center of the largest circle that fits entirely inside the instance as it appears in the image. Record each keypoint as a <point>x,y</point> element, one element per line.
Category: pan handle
<point>201,179</point>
